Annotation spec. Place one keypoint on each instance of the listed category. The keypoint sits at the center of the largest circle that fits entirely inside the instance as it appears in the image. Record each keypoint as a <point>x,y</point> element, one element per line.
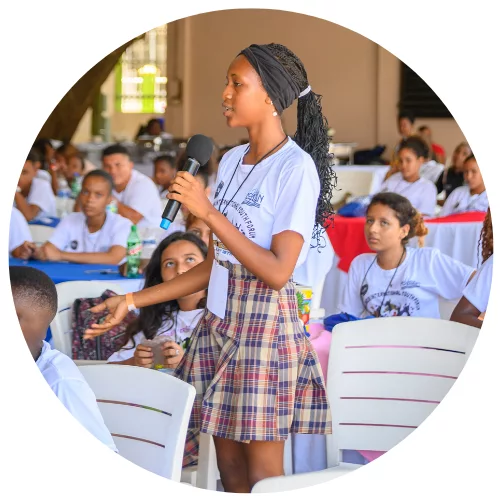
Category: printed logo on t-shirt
<point>74,245</point>
<point>396,303</point>
<point>253,198</point>
<point>219,189</point>
<point>409,284</point>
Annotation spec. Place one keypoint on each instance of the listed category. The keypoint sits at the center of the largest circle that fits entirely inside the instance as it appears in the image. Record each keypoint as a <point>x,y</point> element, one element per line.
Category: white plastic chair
<point>67,293</point>
<point>147,413</point>
<point>376,387</point>
<point>356,182</point>
<point>40,234</point>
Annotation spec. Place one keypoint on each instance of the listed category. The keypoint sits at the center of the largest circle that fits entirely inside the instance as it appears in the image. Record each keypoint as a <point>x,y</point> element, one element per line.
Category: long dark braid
<point>312,137</point>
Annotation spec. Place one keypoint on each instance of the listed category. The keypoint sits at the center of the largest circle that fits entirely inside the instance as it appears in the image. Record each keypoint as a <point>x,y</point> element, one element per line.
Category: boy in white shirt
<point>21,245</point>
<point>94,235</point>
<point>136,195</point>
<point>34,197</point>
<point>421,192</point>
<point>35,300</point>
<point>469,198</point>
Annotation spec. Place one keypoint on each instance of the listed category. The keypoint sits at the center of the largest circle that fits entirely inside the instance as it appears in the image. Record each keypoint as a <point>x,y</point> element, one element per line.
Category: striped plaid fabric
<point>257,376</point>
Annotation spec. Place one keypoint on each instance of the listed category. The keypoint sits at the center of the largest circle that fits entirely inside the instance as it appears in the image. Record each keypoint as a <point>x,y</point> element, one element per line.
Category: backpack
<point>102,347</point>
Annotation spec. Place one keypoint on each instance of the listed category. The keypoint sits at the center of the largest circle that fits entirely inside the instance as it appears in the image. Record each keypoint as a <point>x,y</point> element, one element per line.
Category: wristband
<point>130,302</point>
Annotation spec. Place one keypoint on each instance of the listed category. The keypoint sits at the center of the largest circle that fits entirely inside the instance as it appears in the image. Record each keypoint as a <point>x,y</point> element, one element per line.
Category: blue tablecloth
<point>59,272</point>
<point>45,221</point>
<point>66,271</point>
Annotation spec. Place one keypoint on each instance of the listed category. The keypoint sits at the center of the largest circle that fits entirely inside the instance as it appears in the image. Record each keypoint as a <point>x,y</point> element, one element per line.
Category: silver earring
<point>275,113</point>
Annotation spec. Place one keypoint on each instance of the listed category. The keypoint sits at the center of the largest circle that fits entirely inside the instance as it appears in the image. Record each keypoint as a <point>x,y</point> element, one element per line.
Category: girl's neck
<point>96,222</point>
<point>478,190</point>
<point>389,259</point>
<point>264,137</point>
<point>190,303</point>
<point>412,179</point>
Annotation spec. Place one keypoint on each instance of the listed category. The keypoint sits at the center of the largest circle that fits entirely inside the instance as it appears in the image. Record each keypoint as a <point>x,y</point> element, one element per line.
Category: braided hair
<point>312,137</point>
<point>486,238</point>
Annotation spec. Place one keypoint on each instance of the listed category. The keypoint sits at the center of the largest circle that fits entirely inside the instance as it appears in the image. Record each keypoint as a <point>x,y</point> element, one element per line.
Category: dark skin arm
<point>466,314</point>
<point>29,211</point>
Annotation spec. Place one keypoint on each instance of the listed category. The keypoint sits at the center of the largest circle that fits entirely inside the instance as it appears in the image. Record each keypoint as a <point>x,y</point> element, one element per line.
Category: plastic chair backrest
<point>147,413</point>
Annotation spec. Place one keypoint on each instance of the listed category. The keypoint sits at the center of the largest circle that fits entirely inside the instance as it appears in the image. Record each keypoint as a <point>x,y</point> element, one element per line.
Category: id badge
<point>217,290</point>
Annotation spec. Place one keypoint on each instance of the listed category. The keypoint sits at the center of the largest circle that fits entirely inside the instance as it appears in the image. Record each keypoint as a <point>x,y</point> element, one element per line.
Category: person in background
<point>437,152</point>
<point>405,122</point>
<point>35,300</point>
<point>453,176</point>
<point>472,306</point>
<point>94,235</point>
<point>75,165</point>
<point>34,196</point>
<point>48,167</point>
<point>421,192</point>
<point>196,226</point>
<point>21,244</point>
<point>164,173</point>
<point>469,198</point>
<point>65,152</point>
<point>135,194</point>
<point>398,280</point>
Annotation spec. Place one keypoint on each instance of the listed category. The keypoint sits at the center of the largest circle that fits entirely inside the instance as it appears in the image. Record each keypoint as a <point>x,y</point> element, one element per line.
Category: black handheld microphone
<point>198,150</point>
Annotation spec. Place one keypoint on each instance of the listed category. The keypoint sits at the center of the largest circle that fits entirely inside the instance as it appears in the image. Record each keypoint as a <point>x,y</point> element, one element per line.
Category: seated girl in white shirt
<point>469,198</point>
<point>397,280</point>
<point>34,197</point>
<point>421,192</point>
<point>472,306</point>
<point>92,236</point>
<point>176,319</point>
<point>21,244</point>
<point>35,300</point>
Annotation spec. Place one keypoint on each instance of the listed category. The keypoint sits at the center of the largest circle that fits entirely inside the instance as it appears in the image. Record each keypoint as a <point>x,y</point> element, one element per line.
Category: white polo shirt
<point>19,231</point>
<point>141,194</point>
<point>69,385</point>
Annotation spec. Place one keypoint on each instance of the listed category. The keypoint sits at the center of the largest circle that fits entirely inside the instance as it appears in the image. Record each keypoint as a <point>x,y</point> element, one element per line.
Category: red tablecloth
<point>348,238</point>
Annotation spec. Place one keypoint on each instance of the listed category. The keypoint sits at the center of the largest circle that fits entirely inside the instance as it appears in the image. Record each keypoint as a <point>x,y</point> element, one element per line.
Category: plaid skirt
<point>256,375</point>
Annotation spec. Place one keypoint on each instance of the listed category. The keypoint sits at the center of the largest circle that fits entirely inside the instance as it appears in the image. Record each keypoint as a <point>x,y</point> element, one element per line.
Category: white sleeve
<point>61,237</point>
<point>450,275</point>
<point>19,231</point>
<point>42,196</point>
<point>120,233</point>
<point>295,206</point>
<point>429,202</point>
<point>351,296</point>
<point>449,204</point>
<point>477,291</point>
<point>77,396</point>
<point>145,198</point>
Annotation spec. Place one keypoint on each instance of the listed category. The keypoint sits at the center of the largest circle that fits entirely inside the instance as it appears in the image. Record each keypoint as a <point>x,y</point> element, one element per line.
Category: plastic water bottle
<point>64,196</point>
<point>76,185</point>
<point>112,207</point>
<point>134,252</point>
<point>149,242</point>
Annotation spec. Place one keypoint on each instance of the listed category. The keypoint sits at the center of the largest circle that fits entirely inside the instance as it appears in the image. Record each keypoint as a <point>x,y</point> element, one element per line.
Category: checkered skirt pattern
<point>257,376</point>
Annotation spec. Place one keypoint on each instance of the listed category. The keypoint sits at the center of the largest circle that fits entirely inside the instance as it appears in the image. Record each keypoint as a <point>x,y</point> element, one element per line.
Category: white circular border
<point>48,47</point>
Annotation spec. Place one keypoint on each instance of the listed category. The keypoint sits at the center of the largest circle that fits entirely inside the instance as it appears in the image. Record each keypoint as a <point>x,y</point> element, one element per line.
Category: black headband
<point>276,80</point>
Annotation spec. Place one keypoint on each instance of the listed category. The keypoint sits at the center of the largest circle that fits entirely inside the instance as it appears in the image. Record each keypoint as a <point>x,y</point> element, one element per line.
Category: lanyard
<point>224,212</point>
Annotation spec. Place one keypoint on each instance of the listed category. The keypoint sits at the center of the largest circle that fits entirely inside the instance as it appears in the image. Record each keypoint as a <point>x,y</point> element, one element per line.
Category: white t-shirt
<point>431,170</point>
<point>141,194</point>
<point>280,194</point>
<point>425,275</point>
<point>69,385</point>
<point>43,197</point>
<point>460,200</point>
<point>19,231</point>
<point>44,175</point>
<point>180,328</point>
<point>477,291</point>
<point>422,194</point>
<point>72,234</point>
